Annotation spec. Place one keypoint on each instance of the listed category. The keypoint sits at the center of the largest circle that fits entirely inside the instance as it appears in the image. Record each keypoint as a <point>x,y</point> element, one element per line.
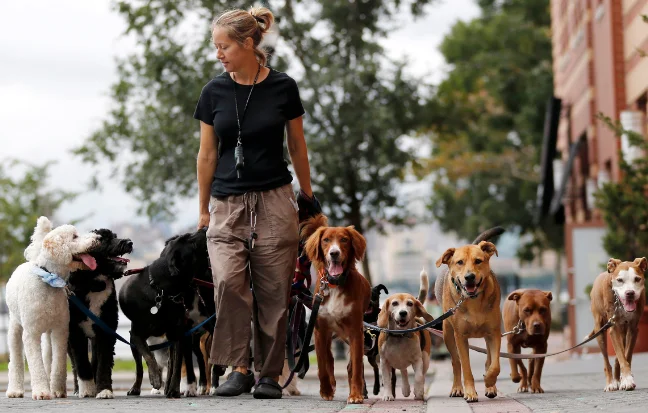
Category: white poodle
<point>38,305</point>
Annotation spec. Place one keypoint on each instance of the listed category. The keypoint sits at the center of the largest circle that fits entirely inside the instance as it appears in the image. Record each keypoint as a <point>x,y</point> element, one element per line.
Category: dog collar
<point>338,281</point>
<point>49,278</point>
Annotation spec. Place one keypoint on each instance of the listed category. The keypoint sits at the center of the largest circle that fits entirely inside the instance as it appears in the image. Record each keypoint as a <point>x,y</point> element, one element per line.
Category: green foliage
<point>624,204</point>
<point>488,128</point>
<point>22,201</point>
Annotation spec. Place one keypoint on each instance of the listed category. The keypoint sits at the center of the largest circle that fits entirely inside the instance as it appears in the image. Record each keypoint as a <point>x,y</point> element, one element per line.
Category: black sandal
<point>237,383</point>
<point>267,388</point>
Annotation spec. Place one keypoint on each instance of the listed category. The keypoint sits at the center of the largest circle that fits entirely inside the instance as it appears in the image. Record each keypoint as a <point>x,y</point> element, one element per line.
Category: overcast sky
<point>56,68</point>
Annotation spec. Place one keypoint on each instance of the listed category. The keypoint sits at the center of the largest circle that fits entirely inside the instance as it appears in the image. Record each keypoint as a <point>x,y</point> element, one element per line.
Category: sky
<point>57,63</point>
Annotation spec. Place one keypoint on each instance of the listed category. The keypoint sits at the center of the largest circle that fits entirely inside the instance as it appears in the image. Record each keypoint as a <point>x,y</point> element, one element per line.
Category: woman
<point>251,214</point>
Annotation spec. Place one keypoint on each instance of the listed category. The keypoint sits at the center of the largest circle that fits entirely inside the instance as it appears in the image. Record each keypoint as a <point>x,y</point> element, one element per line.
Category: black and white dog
<point>96,290</point>
<point>164,300</point>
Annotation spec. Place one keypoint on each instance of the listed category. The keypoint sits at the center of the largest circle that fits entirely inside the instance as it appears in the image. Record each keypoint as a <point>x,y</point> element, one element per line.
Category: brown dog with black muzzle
<point>528,314</point>
<point>619,293</point>
<point>469,278</point>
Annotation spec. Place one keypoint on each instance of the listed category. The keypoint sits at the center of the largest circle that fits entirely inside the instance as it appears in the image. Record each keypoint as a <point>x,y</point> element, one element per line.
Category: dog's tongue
<point>629,305</point>
<point>335,269</point>
<point>471,288</point>
<point>88,260</point>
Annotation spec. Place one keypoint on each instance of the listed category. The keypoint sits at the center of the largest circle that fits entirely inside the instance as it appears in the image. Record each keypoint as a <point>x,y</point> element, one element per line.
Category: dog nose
<point>129,244</point>
<point>402,313</point>
<point>630,294</point>
<point>537,325</point>
<point>470,277</point>
<point>335,254</point>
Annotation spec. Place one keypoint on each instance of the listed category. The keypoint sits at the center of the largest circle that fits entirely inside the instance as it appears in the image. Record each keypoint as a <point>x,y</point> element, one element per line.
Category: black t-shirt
<point>274,101</point>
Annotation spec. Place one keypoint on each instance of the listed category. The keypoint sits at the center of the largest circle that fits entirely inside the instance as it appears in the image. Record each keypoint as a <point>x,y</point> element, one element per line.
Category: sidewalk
<point>570,385</point>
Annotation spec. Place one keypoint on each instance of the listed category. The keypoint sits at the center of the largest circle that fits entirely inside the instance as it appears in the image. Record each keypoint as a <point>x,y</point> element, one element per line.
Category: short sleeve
<point>294,107</point>
<point>204,108</point>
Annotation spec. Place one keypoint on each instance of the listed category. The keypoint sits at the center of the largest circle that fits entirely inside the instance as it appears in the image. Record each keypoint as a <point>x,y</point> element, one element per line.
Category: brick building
<point>598,68</point>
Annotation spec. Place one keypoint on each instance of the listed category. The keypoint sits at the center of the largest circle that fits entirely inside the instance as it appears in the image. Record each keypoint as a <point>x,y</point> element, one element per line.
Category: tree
<point>488,129</point>
<point>22,201</point>
<point>358,103</point>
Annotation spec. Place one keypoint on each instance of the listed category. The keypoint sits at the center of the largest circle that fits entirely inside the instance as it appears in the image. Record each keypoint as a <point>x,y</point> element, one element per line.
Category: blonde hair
<point>241,24</point>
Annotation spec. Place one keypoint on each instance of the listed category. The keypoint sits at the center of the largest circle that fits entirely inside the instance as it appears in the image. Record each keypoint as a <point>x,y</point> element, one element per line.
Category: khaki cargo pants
<point>272,263</point>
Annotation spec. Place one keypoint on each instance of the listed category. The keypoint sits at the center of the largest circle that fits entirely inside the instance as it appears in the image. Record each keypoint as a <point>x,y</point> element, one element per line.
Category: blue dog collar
<point>49,278</point>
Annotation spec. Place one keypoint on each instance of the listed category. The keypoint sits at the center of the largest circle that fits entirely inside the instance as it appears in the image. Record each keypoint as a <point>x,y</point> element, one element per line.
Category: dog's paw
<point>470,395</point>
<point>612,386</point>
<point>288,391</point>
<point>388,397</point>
<point>419,395</point>
<point>355,399</point>
<point>212,391</point>
<point>457,391</point>
<point>135,392</point>
<point>524,387</point>
<point>406,390</point>
<point>190,390</point>
<point>491,392</point>
<point>516,377</point>
<point>105,394</point>
<point>627,383</point>
<point>202,390</point>
<point>326,395</point>
<point>41,395</point>
<point>15,394</point>
<point>60,394</point>
<point>536,388</point>
<point>87,388</point>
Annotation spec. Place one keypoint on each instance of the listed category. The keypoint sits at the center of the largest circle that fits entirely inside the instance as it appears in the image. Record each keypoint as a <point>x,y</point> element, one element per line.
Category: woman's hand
<point>203,220</point>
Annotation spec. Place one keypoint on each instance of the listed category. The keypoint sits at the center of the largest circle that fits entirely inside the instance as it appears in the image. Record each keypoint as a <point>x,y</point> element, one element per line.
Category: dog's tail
<point>488,234</point>
<point>425,285</point>
<point>43,226</point>
<point>308,227</point>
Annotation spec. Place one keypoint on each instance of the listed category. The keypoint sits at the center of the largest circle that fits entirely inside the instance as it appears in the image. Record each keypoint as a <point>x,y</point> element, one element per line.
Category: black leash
<point>429,324</point>
<point>303,356</point>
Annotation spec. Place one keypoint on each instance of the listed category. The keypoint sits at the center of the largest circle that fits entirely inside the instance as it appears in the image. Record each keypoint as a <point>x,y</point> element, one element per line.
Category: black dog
<point>163,300</point>
<point>371,339</point>
<point>96,290</point>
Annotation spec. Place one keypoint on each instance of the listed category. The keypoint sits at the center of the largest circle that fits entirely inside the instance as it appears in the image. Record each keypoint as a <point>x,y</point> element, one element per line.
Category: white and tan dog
<point>619,292</point>
<point>38,305</point>
<point>399,351</point>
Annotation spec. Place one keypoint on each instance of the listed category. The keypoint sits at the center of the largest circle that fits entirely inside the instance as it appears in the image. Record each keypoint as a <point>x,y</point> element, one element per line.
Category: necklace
<point>238,151</point>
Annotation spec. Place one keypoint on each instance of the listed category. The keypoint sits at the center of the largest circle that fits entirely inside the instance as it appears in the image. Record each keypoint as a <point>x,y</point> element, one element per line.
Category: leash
<point>517,356</point>
<point>428,325</point>
<point>98,321</point>
<point>303,357</point>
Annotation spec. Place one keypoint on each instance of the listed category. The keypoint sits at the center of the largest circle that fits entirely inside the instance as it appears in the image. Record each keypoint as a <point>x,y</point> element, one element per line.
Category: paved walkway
<point>570,384</point>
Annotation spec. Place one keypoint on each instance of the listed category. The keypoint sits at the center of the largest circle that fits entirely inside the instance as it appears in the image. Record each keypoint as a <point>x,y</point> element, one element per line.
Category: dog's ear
<point>514,296</point>
<point>308,227</point>
<point>312,247</point>
<point>422,312</point>
<point>641,263</point>
<point>445,258</point>
<point>56,250</point>
<point>612,264</point>
<point>43,227</point>
<point>549,295</point>
<point>488,248</point>
<point>358,242</point>
<point>383,316</point>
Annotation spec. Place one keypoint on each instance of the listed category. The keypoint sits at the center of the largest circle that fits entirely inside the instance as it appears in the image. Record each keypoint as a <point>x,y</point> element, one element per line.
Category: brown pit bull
<point>469,277</point>
<point>530,312</point>
<point>619,292</point>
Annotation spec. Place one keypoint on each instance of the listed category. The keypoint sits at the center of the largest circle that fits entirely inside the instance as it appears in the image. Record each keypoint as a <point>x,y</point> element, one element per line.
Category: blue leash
<point>75,300</point>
